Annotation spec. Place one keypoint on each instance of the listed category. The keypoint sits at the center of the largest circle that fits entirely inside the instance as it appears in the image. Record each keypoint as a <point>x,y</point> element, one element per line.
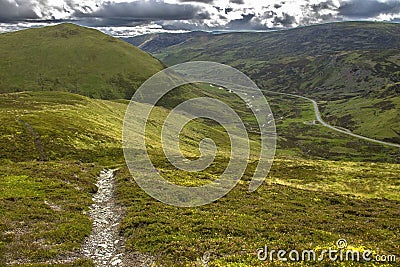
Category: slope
<point>44,204</point>
<point>67,57</point>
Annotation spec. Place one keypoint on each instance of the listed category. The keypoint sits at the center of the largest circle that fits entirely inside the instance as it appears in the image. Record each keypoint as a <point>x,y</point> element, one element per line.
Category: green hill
<point>67,57</point>
<point>354,66</point>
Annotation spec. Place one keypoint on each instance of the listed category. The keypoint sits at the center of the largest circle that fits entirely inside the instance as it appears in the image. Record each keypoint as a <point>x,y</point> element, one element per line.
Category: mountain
<point>67,57</point>
<point>352,68</point>
<point>295,60</point>
<point>155,42</point>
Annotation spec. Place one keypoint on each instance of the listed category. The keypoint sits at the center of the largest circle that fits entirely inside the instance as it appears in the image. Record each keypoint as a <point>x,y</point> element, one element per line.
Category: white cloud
<point>220,14</point>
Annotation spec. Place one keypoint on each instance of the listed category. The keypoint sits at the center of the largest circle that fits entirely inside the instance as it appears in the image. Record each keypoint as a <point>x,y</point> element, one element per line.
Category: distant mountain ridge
<point>354,66</point>
<point>155,42</point>
<point>68,57</point>
<point>296,60</point>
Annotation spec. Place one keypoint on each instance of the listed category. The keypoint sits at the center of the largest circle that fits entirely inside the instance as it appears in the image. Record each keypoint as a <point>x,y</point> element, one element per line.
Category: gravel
<point>104,245</point>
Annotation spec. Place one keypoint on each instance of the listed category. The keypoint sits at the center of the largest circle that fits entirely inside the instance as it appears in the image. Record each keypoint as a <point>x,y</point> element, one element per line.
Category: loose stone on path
<point>103,245</point>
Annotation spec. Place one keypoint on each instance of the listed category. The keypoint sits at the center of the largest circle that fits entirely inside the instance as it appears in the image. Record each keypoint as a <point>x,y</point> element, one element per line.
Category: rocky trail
<point>104,245</point>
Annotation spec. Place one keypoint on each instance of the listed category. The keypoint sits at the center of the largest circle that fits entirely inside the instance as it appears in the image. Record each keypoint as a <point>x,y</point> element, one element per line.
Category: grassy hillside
<point>71,58</point>
<point>350,62</point>
<point>43,205</point>
<point>53,145</point>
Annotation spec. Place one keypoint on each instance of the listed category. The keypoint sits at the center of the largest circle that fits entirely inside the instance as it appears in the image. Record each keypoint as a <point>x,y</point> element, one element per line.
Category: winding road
<point>321,121</point>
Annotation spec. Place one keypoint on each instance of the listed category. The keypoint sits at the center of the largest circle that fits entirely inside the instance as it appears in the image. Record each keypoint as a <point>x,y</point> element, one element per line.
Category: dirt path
<point>104,245</point>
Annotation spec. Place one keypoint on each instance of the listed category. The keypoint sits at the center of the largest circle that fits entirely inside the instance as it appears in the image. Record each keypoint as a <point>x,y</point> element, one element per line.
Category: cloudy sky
<point>126,18</point>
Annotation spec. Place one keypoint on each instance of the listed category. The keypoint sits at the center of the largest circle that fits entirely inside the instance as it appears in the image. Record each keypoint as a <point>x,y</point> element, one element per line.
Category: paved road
<point>320,120</point>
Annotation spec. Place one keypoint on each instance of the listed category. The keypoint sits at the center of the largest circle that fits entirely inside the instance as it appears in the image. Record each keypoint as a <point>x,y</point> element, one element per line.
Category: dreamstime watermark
<point>154,89</point>
<point>341,253</point>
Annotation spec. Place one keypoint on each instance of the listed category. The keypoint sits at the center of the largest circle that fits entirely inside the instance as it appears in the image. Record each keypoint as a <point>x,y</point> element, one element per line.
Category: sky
<point>135,17</point>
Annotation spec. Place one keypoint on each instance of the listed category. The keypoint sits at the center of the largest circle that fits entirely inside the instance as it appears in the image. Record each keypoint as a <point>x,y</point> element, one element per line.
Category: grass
<point>298,136</point>
<point>43,205</point>
<point>70,127</point>
<point>310,199</point>
<point>71,58</point>
<point>235,227</point>
<point>366,180</point>
<point>323,186</point>
<point>43,210</point>
<point>370,116</point>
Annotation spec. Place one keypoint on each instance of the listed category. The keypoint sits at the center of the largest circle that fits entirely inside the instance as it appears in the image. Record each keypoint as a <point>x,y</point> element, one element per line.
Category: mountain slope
<point>348,62</point>
<point>68,57</point>
<point>155,42</point>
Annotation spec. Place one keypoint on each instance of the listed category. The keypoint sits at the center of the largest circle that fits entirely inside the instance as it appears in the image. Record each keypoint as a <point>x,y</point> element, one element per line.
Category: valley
<point>63,167</point>
<point>331,63</point>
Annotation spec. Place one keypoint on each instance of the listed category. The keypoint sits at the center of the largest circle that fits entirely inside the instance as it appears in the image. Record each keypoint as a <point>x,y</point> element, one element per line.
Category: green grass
<point>362,179</point>
<point>309,200</point>
<point>297,136</point>
<point>43,205</point>
<point>323,186</point>
<point>43,210</point>
<point>236,226</point>
<point>80,136</point>
<point>367,116</point>
<point>70,127</point>
<point>71,58</point>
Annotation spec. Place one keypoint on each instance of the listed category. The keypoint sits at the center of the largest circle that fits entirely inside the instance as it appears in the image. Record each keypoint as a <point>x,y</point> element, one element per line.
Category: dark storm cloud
<point>247,22</point>
<point>243,23</point>
<point>146,11</point>
<point>12,12</point>
<point>268,14</point>
<point>368,8</point>
<point>324,11</point>
<point>228,10</point>
<point>323,6</point>
<point>285,20</point>
<point>219,9</point>
<point>239,2</point>
<point>194,14</point>
<point>112,22</point>
<point>198,1</point>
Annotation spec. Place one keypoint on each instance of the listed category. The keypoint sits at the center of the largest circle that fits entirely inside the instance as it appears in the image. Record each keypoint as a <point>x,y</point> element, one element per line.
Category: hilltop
<point>71,58</point>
